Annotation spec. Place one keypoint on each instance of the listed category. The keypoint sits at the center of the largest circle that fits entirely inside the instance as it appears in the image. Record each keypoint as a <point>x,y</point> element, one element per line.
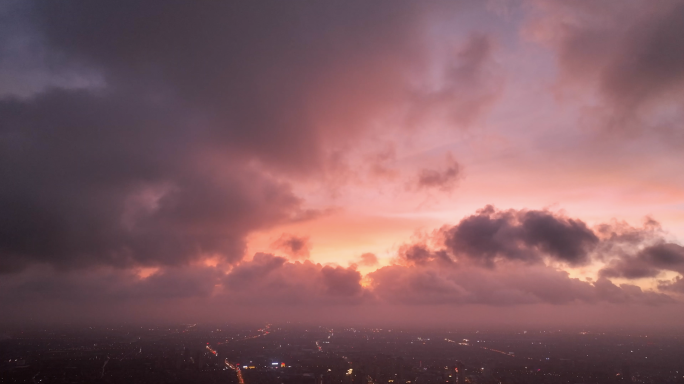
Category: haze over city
<point>417,164</point>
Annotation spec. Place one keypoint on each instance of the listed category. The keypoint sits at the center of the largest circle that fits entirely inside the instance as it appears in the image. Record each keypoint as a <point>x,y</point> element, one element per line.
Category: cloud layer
<point>522,268</point>
<point>276,156</point>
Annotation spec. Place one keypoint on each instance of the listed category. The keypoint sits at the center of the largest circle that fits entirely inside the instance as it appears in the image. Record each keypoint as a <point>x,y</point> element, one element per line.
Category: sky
<point>439,163</point>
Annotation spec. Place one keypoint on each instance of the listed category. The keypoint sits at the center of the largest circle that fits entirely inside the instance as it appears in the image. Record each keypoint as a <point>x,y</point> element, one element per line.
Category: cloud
<point>92,180</point>
<point>469,84</point>
<point>675,285</point>
<point>248,273</point>
<point>648,262</point>
<point>510,257</point>
<point>201,116</point>
<point>627,293</point>
<point>294,246</point>
<point>421,253</point>
<point>167,138</point>
<point>442,179</point>
<point>523,235</point>
<point>379,162</point>
<point>157,165</point>
<point>270,279</point>
<point>368,260</point>
<point>340,281</point>
<point>630,54</point>
<point>277,83</point>
<point>435,279</point>
<point>435,284</point>
<point>106,286</point>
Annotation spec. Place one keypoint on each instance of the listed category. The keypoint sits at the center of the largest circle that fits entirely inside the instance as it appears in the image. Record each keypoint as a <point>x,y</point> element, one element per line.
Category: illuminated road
<point>235,368</point>
<point>263,332</point>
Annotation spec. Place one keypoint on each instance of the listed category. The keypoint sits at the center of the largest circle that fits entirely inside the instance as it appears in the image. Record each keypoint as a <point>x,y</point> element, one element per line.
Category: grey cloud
<point>172,155</point>
<point>627,293</point>
<point>272,284</point>
<point>648,62</point>
<point>431,284</point>
<point>107,180</point>
<point>631,53</point>
<point>268,79</point>
<point>249,273</point>
<point>341,281</point>
<point>107,286</point>
<point>417,254</point>
<point>648,262</point>
<point>157,165</point>
<point>523,235</point>
<point>270,279</point>
<point>675,285</point>
<point>265,281</point>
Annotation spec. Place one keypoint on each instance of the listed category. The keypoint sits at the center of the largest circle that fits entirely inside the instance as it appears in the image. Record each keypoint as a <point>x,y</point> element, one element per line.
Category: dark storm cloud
<point>170,156</point>
<point>113,179</point>
<point>649,262</point>
<point>273,80</point>
<point>523,235</point>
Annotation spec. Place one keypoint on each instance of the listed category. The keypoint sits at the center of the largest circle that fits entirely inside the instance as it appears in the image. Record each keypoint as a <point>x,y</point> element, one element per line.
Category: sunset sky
<point>399,162</point>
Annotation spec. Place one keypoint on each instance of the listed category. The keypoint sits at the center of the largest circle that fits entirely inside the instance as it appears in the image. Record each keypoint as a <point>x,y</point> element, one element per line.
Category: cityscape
<point>341,191</point>
<point>299,354</point>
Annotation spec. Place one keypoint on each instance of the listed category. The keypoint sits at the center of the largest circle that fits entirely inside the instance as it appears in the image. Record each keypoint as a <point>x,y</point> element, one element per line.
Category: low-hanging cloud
<point>648,262</point>
<point>432,284</point>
